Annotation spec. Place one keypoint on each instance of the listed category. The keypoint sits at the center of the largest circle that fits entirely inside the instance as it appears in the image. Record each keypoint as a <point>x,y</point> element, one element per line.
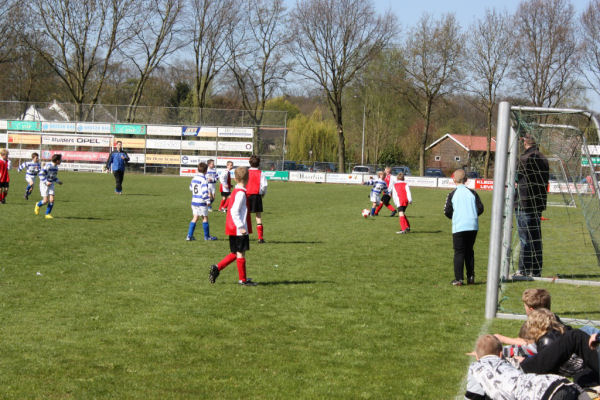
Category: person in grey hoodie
<point>464,207</point>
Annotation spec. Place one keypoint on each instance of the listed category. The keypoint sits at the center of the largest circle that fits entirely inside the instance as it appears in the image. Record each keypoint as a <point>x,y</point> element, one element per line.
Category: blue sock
<point>373,211</point>
<point>49,208</point>
<point>191,229</point>
<point>27,190</point>
<point>206,229</point>
<point>40,203</point>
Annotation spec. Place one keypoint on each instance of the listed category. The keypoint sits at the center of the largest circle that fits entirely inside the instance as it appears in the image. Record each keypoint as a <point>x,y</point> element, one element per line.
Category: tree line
<point>406,84</point>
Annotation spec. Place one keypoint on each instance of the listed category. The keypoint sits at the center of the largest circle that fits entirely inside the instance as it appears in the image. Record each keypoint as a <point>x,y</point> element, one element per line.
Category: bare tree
<point>546,61</point>
<point>155,37</point>
<point>9,14</point>
<point>77,39</point>
<point>490,48</point>
<point>257,54</point>
<point>590,22</point>
<point>432,57</point>
<point>213,21</point>
<point>333,40</point>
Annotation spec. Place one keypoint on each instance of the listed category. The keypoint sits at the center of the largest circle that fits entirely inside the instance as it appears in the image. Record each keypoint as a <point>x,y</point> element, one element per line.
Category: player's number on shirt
<point>196,189</point>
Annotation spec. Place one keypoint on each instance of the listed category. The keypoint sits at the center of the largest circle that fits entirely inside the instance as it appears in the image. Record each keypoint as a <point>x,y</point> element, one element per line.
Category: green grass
<point>122,307</point>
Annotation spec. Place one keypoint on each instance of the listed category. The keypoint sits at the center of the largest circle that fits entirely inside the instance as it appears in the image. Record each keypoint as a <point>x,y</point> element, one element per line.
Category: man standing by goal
<point>533,173</point>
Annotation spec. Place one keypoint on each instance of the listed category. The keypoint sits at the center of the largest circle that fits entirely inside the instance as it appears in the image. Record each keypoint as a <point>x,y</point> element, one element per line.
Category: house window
<point>438,158</point>
<point>457,158</point>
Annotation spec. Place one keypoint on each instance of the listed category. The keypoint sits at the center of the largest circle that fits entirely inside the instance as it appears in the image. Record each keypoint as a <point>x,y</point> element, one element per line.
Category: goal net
<point>545,230</point>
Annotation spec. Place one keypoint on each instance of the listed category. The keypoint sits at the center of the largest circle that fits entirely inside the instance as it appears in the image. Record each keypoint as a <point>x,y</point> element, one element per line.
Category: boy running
<point>48,176</point>
<point>400,191</point>
<point>200,203</point>
<point>256,189</point>
<point>4,176</point>
<point>385,199</point>
<point>225,180</point>
<point>32,169</point>
<point>211,177</point>
<point>238,226</point>
<point>379,188</point>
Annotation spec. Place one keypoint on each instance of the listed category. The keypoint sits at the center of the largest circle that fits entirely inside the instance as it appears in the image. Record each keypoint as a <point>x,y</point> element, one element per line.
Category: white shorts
<point>30,179</point>
<point>375,198</point>
<point>201,211</point>
<point>211,189</point>
<point>46,190</point>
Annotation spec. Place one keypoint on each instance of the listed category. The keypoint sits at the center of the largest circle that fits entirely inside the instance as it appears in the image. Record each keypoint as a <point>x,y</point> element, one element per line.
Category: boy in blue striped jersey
<point>379,188</point>
<point>211,178</point>
<point>200,203</point>
<point>32,169</point>
<point>48,177</point>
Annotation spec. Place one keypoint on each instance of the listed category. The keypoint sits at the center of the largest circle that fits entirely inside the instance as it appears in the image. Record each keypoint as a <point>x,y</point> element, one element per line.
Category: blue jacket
<point>117,160</point>
<point>464,207</point>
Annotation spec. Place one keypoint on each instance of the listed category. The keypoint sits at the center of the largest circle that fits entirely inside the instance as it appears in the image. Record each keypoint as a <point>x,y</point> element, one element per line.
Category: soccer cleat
<point>36,210</point>
<point>190,238</point>
<point>402,232</point>
<point>457,283</point>
<point>393,214</point>
<point>470,280</point>
<point>213,273</point>
<point>261,240</point>
<point>48,216</point>
<point>210,238</point>
<point>248,282</point>
<point>26,196</point>
<point>3,201</point>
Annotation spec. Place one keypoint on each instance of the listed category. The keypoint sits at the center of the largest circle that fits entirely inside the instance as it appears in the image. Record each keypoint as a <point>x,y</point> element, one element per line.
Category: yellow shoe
<point>48,216</point>
<point>36,210</point>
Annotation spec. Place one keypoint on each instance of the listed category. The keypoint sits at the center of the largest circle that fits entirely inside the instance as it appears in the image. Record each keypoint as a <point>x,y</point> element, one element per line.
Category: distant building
<point>61,113</point>
<point>451,152</point>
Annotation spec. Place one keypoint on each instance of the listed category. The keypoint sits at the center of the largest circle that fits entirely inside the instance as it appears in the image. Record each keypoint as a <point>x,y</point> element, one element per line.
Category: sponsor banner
<point>75,155</point>
<point>128,129</point>
<point>204,145</point>
<point>3,124</point>
<point>190,130</point>
<point>301,176</point>
<point>22,153</point>
<point>421,181</point>
<point>87,127</point>
<point>235,146</point>
<point>81,167</point>
<point>208,131</point>
<point>276,175</point>
<point>163,130</point>
<point>236,132</point>
<point>594,150</point>
<point>237,161</point>
<point>162,159</point>
<point>23,125</point>
<point>344,178</point>
<point>188,171</point>
<point>24,139</point>
<point>446,183</point>
<point>58,126</point>
<point>129,143</point>
<point>484,184</point>
<point>136,158</point>
<point>202,131</point>
<point>3,137</point>
<point>76,140</point>
<point>163,144</point>
<point>585,161</point>
<point>194,160</point>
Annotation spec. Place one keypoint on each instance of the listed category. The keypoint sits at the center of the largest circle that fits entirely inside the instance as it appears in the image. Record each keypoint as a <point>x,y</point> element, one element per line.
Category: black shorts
<point>239,244</point>
<point>4,184</point>
<point>402,208</point>
<point>385,199</point>
<point>255,203</point>
<point>225,194</point>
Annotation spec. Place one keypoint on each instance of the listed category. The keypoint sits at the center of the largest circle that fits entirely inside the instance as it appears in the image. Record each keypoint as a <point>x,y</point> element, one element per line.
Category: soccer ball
<point>365,213</point>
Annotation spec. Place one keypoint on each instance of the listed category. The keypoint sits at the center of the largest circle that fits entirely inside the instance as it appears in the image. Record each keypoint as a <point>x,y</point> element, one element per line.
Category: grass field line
<point>485,328</point>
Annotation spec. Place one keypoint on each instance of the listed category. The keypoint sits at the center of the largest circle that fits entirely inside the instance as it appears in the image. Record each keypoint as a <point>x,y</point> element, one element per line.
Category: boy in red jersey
<point>385,199</point>
<point>4,176</point>
<point>402,198</point>
<point>256,190</point>
<point>225,180</point>
<point>238,226</point>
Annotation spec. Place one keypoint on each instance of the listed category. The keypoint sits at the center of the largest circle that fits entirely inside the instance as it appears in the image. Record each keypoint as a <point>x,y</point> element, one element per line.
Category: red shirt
<point>253,186</point>
<point>230,228</point>
<point>4,177</point>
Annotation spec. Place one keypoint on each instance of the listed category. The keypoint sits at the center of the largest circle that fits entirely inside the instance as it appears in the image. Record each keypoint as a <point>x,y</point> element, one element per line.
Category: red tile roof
<point>471,143</point>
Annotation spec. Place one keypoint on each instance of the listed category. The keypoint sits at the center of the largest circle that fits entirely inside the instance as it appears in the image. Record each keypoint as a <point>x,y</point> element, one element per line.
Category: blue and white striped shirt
<point>49,173</point>
<point>32,168</point>
<point>379,186</point>
<point>211,175</point>
<point>199,189</point>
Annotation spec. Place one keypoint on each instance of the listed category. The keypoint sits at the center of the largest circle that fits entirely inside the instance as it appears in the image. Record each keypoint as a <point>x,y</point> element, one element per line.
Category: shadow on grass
<point>293,242</point>
<point>142,194</point>
<point>85,218</point>
<point>273,283</point>
<point>577,276</point>
<point>421,232</point>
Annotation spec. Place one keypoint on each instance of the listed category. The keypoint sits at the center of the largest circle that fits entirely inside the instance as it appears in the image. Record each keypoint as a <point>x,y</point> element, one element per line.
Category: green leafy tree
<point>312,138</point>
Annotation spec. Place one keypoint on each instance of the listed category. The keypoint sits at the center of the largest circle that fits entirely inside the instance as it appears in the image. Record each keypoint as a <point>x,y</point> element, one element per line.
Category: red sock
<point>241,265</point>
<point>2,196</point>
<point>402,223</point>
<point>226,261</point>
<point>259,230</point>
<point>378,208</point>
<point>406,222</point>
<point>222,204</point>
<point>391,207</point>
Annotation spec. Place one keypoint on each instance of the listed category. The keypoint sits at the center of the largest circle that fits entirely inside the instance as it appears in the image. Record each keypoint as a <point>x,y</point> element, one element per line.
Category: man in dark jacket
<point>532,183</point>
<point>117,160</point>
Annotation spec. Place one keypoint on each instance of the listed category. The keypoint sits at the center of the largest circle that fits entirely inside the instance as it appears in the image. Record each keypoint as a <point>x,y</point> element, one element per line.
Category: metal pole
<point>362,151</point>
<point>510,201</point>
<point>284,135</point>
<point>502,135</point>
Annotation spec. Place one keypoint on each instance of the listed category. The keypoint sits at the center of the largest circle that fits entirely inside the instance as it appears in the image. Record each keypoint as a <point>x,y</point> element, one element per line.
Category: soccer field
<point>109,301</point>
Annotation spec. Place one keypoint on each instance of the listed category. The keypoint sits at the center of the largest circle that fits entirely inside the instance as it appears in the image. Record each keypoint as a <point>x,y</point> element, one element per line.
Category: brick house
<point>458,151</point>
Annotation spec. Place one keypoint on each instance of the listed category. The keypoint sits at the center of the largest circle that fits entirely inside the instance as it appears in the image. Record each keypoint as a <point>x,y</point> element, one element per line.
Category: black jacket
<point>533,174</point>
